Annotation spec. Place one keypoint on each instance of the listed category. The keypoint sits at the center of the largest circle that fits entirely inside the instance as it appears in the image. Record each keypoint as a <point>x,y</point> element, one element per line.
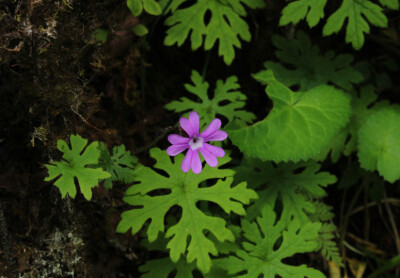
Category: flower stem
<point>164,132</point>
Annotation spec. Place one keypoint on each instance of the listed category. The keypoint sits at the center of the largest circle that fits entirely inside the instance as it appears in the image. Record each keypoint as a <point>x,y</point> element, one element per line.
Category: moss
<point>61,255</point>
<point>48,58</point>
<point>39,133</point>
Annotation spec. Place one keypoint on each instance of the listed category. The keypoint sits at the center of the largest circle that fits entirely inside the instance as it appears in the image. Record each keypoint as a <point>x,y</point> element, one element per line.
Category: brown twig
<point>392,201</point>
<point>346,216</point>
<point>366,214</point>
<point>383,218</point>
<point>75,110</point>
<point>15,49</point>
<point>392,222</point>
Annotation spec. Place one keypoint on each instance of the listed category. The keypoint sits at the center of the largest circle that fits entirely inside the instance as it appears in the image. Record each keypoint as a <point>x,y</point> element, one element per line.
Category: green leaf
<point>140,30</point>
<point>182,268</point>
<point>361,108</point>
<point>135,6</point>
<point>379,143</point>
<point>391,4</point>
<point>327,245</point>
<point>254,171</point>
<point>269,241</point>
<point>150,6</point>
<point>357,12</point>
<point>378,72</point>
<point>308,68</point>
<point>171,5</point>
<point>162,268</point>
<point>182,189</point>
<point>285,182</point>
<point>293,186</point>
<point>226,25</point>
<point>120,164</point>
<point>323,212</point>
<point>312,10</point>
<point>385,265</point>
<point>299,125</point>
<point>76,164</point>
<point>225,92</point>
<point>100,35</point>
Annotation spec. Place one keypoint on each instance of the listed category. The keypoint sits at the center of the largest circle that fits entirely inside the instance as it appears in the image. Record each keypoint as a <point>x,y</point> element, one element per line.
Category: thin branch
<point>392,201</point>
<point>75,110</point>
<point>345,221</point>
<point>157,139</point>
<point>392,222</point>
<point>366,214</point>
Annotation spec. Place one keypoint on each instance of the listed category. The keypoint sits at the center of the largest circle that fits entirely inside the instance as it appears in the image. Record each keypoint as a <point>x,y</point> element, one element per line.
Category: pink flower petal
<point>210,158</point>
<point>212,127</point>
<point>177,139</point>
<point>194,121</point>
<point>191,125</point>
<point>217,136</point>
<point>196,163</point>
<point>176,149</point>
<point>187,161</point>
<point>186,126</point>
<point>217,151</point>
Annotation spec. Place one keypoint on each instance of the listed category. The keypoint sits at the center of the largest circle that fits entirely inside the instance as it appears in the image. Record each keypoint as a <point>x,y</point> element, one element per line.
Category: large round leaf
<point>298,127</point>
<point>379,143</point>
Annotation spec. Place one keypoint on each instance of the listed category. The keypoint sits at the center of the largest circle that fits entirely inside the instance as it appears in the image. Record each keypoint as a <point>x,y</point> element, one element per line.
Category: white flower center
<point>196,142</point>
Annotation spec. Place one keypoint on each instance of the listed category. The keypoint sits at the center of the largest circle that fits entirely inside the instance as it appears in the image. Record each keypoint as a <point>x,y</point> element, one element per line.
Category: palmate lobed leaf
<point>357,12</point>
<point>262,255</point>
<point>299,126</point>
<point>309,67</point>
<point>162,268</point>
<point>284,182</point>
<point>171,6</point>
<point>294,188</point>
<point>312,10</point>
<point>181,268</point>
<point>209,108</point>
<point>391,4</point>
<point>225,25</point>
<point>379,143</point>
<point>76,164</point>
<point>119,164</point>
<point>184,191</point>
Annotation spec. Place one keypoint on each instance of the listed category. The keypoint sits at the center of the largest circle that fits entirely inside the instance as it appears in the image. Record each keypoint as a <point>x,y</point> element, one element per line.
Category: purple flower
<point>197,142</point>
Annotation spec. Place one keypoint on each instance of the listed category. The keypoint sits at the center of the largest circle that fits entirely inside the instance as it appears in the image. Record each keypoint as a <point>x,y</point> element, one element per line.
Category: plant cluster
<point>247,216</point>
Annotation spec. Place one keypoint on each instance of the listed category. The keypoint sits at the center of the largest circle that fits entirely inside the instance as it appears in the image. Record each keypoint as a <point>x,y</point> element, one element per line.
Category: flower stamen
<point>196,143</point>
